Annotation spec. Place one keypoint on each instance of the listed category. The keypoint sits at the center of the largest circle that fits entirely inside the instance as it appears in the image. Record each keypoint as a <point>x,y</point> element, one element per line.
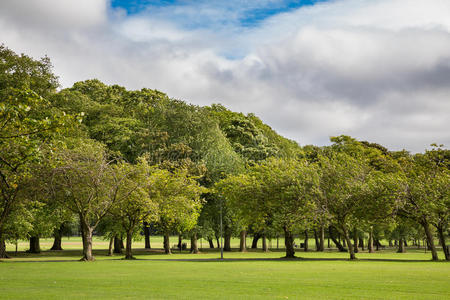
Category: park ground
<point>251,275</point>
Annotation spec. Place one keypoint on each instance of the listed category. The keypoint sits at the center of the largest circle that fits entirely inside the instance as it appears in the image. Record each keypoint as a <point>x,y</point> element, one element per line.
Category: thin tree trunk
<point>390,243</point>
<point>35,246</point>
<point>243,241</point>
<point>57,242</point>
<point>349,243</point>
<point>121,242</point>
<point>147,236</point>
<point>218,242</point>
<point>167,243</point>
<point>194,245</point>
<point>180,241</point>
<point>278,242</point>
<point>322,238</point>
<point>128,251</point>
<point>355,240</point>
<point>211,243</point>
<point>306,241</point>
<point>117,246</point>
<point>336,242</point>
<point>401,246</point>
<point>264,244</point>
<point>289,243</point>
<point>316,240</point>
<point>441,235</point>
<point>377,244</point>
<point>370,241</point>
<point>430,238</point>
<point>110,247</point>
<point>361,243</point>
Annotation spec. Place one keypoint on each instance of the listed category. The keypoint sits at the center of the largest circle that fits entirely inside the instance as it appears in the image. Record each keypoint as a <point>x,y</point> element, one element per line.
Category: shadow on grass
<point>75,255</point>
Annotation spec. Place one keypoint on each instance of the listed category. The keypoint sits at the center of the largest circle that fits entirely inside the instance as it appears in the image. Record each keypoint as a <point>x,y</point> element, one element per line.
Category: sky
<point>377,70</point>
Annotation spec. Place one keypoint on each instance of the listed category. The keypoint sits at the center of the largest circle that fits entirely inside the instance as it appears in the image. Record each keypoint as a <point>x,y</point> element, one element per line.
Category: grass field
<point>252,275</point>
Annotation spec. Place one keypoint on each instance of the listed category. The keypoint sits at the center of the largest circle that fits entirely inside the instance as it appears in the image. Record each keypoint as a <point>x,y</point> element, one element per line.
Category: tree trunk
<point>255,240</point>
<point>227,238</point>
<point>243,241</point>
<point>167,243</point>
<point>336,242</point>
<point>110,247</point>
<point>377,244</point>
<point>2,247</point>
<point>218,242</point>
<point>87,243</point>
<point>390,243</point>
<point>306,241</point>
<point>445,249</point>
<point>355,240</point>
<point>361,243</point>
<point>370,241</point>
<point>121,242</point>
<point>128,252</point>
<point>117,246</point>
<point>180,241</point>
<point>211,244</point>
<point>430,239</point>
<point>322,238</point>
<point>57,242</point>
<point>349,243</point>
<point>289,243</point>
<point>316,240</point>
<point>194,245</point>
<point>401,246</point>
<point>35,246</point>
<point>264,244</point>
<point>147,236</point>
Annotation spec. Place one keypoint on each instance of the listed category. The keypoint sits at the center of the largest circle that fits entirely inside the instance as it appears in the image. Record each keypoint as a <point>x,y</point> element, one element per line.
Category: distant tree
<point>278,190</point>
<point>134,204</point>
<point>179,203</point>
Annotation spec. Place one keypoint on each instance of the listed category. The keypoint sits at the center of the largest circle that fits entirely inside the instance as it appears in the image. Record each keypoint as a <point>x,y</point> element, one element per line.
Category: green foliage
<point>178,197</point>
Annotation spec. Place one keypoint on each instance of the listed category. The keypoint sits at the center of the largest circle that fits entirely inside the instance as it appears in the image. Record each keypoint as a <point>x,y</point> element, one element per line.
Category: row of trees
<point>115,159</point>
<point>350,187</point>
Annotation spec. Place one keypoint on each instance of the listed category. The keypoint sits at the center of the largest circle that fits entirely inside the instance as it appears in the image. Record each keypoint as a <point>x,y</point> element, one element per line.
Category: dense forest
<point>103,160</point>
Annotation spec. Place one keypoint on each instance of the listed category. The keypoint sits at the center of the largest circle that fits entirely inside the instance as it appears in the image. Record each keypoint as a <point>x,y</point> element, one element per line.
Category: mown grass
<point>252,275</point>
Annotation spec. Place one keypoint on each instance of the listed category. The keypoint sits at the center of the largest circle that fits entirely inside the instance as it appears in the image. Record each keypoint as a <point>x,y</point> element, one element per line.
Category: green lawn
<point>252,275</point>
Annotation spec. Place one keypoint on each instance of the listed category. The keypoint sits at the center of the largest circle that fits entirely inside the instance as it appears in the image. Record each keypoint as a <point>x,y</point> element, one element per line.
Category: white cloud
<point>377,70</point>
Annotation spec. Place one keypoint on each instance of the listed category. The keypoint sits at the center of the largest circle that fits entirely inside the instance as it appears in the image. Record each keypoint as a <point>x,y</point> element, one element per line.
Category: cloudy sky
<point>378,70</point>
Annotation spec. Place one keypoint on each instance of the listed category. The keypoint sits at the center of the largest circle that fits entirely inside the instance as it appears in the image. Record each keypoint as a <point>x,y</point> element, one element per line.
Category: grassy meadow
<point>251,275</point>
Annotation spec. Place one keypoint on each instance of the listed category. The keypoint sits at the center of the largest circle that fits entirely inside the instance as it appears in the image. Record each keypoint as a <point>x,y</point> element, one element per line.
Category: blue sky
<point>251,12</point>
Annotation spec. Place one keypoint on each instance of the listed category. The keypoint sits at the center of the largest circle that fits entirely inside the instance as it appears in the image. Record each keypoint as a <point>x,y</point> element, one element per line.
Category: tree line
<point>117,163</point>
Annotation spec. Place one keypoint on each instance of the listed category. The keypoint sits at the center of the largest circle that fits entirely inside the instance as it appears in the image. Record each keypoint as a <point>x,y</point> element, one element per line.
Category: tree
<point>83,182</point>
<point>179,203</point>
<point>278,190</point>
<point>426,193</point>
<point>353,190</point>
<point>134,204</point>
